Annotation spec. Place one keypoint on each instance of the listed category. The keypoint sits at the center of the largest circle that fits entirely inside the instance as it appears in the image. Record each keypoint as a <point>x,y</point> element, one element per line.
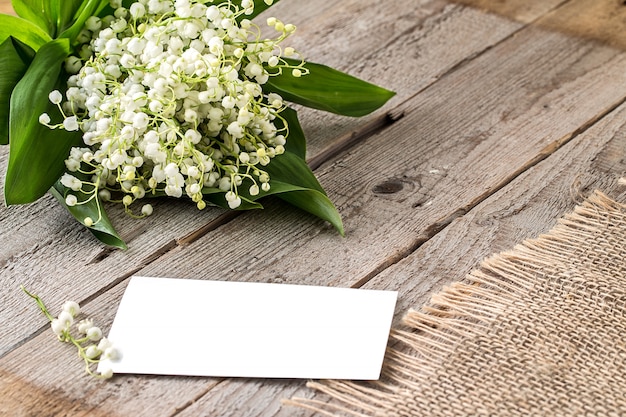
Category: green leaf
<point>36,153</point>
<point>103,230</point>
<point>216,197</point>
<point>315,203</point>
<point>25,52</point>
<point>23,30</point>
<point>15,57</point>
<point>35,12</point>
<point>292,180</point>
<point>296,142</point>
<point>53,9</point>
<point>82,11</point>
<point>67,10</point>
<point>325,88</point>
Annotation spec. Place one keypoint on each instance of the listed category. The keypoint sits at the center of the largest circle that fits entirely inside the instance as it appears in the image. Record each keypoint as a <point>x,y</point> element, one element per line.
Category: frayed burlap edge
<point>465,310</point>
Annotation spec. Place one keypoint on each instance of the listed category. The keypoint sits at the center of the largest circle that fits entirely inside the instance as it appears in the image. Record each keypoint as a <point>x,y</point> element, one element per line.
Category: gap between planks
<point>441,225</point>
<point>378,125</point>
<point>435,228</point>
<point>341,145</point>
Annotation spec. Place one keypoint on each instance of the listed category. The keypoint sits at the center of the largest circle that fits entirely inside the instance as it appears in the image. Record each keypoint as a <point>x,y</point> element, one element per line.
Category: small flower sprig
<point>88,350</point>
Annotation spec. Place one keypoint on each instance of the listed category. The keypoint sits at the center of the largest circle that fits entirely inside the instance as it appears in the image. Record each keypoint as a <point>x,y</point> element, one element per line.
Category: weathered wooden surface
<point>502,122</point>
<point>45,250</point>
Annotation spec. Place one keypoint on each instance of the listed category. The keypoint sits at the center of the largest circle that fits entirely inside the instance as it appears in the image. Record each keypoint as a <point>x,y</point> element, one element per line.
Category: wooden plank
<point>520,10</point>
<point>526,207</point>
<point>68,391</point>
<point>508,128</point>
<point>52,255</point>
<point>5,7</point>
<point>599,20</point>
<point>456,251</point>
<point>460,141</point>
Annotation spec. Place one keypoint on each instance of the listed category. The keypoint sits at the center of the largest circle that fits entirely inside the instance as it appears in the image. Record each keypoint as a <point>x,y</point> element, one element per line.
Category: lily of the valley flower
<point>170,101</point>
<point>88,335</point>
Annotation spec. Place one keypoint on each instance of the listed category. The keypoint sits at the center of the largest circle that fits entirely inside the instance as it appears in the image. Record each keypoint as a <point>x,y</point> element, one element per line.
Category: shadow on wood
<point>602,20</point>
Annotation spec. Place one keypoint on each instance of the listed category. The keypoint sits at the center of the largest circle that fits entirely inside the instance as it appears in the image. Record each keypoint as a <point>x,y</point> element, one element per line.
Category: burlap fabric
<point>537,331</point>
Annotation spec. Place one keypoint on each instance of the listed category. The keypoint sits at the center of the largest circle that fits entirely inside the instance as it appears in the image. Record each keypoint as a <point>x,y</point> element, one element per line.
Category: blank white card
<point>239,329</point>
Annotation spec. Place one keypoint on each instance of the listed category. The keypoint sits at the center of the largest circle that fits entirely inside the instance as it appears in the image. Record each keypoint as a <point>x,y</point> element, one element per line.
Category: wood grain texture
<point>5,7</point>
<point>523,209</point>
<point>520,10</point>
<point>459,141</point>
<point>56,257</point>
<point>489,154</point>
<point>527,206</point>
<point>600,20</point>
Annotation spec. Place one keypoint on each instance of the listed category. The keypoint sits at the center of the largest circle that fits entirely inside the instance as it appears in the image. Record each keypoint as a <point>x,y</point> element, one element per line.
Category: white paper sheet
<point>238,329</point>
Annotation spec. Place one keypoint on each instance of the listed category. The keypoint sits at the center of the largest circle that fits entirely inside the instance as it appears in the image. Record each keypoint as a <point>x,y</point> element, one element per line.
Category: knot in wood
<point>391,186</point>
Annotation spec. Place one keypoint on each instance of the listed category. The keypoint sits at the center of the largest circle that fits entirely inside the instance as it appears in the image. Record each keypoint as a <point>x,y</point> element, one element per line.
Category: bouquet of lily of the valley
<point>121,101</point>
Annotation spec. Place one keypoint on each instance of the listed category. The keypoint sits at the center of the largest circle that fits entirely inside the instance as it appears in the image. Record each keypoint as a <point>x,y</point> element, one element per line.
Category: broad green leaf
<point>23,30</point>
<point>216,197</point>
<point>103,230</point>
<point>291,169</point>
<point>15,57</point>
<point>325,88</point>
<point>310,200</point>
<point>61,14</point>
<point>84,11</point>
<point>315,203</point>
<point>67,10</point>
<point>34,11</point>
<point>25,52</point>
<point>36,153</point>
<point>292,180</point>
<point>296,142</point>
<point>53,9</point>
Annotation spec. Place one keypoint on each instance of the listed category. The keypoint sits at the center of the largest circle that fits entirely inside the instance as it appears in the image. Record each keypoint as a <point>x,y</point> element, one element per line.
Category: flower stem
<point>39,302</point>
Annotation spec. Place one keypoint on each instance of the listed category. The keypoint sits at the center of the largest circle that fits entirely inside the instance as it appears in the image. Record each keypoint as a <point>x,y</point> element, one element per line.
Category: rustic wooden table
<point>505,117</point>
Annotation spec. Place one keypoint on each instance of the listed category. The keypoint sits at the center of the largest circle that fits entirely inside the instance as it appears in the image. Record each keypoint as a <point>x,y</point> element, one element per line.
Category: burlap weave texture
<point>537,331</point>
